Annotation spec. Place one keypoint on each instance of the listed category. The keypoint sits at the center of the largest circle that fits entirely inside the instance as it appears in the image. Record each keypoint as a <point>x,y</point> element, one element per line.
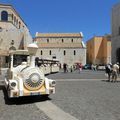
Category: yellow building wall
<point>98,50</point>
<point>109,49</point>
<point>90,51</point>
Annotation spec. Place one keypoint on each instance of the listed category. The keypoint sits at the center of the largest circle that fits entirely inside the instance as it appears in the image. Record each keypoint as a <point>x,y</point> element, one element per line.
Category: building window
<point>4,16</point>
<point>19,25</point>
<point>53,57</point>
<point>15,20</point>
<point>72,40</point>
<point>74,52</point>
<point>47,40</point>
<point>64,52</point>
<point>50,52</point>
<point>41,52</point>
<point>62,40</point>
<point>12,16</point>
<point>1,29</point>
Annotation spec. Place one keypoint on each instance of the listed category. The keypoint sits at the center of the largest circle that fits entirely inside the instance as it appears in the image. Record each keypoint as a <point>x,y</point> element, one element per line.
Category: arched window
<point>41,52</point>
<point>64,52</point>
<point>4,16</point>
<point>74,52</point>
<point>62,40</point>
<point>50,52</point>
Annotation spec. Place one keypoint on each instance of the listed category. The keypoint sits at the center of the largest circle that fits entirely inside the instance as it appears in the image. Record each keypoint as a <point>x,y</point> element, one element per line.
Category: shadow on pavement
<point>110,81</point>
<point>22,100</point>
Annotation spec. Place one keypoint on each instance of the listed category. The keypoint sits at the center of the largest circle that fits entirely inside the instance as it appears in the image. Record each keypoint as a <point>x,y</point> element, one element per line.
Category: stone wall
<point>115,32</point>
<point>13,31</point>
<point>65,49</point>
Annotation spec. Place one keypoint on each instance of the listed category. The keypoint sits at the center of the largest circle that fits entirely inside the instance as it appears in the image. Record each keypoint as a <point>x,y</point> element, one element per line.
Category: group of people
<point>112,71</point>
<point>67,68</point>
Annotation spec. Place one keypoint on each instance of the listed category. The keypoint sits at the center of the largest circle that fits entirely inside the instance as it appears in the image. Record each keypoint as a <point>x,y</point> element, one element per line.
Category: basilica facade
<point>67,48</point>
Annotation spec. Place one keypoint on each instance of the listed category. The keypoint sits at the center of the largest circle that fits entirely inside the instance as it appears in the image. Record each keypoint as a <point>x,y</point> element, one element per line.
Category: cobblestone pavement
<point>21,108</point>
<point>89,100</point>
<point>85,100</point>
<point>85,74</point>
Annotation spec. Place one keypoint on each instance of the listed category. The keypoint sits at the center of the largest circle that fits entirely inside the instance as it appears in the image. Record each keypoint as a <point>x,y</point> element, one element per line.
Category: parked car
<point>87,66</point>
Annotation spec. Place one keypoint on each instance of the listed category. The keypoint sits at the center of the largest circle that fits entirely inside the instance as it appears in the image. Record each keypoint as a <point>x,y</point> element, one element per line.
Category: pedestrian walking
<point>108,70</point>
<point>80,67</point>
<point>93,67</point>
<point>71,69</point>
<point>65,67</point>
<point>115,70</point>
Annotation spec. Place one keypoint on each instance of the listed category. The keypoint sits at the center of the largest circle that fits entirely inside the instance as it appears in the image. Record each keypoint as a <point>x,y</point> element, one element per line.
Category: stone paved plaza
<point>85,96</point>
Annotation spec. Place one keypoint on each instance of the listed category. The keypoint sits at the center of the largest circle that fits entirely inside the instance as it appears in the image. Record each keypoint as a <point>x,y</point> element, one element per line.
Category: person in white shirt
<point>115,70</point>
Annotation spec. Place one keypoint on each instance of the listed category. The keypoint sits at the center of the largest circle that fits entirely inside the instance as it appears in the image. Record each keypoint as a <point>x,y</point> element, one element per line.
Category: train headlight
<point>13,84</point>
<point>52,83</point>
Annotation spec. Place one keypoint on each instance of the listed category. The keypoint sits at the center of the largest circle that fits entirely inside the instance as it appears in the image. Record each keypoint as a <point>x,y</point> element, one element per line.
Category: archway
<point>4,16</point>
<point>118,55</point>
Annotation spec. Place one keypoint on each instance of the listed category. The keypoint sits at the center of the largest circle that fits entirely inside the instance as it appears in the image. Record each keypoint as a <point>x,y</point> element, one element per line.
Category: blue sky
<point>92,17</point>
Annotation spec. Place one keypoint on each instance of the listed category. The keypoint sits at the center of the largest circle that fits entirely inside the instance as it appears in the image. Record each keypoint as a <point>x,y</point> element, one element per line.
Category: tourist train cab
<point>27,79</point>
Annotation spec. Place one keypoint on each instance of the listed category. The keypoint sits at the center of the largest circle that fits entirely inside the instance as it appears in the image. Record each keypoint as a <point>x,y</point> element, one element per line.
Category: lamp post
<point>11,50</point>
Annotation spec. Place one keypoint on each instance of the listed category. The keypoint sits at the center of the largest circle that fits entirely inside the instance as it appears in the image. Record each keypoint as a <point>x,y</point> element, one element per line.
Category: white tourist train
<point>27,79</point>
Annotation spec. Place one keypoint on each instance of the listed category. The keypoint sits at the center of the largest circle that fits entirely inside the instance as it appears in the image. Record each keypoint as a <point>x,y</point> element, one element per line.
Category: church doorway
<point>118,55</point>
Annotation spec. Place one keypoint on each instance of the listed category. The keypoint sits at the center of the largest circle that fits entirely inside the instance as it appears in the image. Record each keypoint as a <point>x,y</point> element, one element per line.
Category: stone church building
<point>14,33</point>
<point>65,47</point>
